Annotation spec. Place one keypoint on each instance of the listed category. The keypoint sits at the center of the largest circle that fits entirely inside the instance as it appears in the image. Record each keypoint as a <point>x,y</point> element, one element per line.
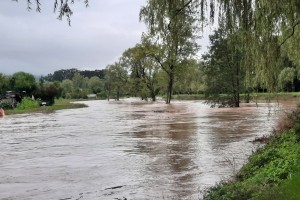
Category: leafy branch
<point>62,6</point>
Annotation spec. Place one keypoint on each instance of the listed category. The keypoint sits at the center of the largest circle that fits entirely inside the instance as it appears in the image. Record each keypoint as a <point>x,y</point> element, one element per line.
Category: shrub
<point>48,92</point>
<point>5,103</point>
<point>28,103</point>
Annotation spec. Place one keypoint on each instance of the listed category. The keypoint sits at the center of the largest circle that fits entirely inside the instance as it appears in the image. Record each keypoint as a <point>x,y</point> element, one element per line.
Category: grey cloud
<point>40,44</point>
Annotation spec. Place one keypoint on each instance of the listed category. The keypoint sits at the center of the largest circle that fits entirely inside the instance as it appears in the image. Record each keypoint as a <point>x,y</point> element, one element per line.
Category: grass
<point>288,190</point>
<point>60,104</point>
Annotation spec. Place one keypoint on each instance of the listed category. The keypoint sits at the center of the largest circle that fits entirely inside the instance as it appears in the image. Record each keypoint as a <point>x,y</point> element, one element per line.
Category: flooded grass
<point>60,104</point>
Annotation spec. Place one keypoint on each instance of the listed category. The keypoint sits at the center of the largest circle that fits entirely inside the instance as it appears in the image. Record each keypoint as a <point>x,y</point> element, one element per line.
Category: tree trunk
<point>108,95</point>
<point>118,94</point>
<point>153,96</point>
<point>170,88</point>
<point>237,100</point>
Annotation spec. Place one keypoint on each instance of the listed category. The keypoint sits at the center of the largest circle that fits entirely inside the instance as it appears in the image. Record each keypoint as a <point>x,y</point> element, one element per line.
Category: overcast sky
<point>40,44</point>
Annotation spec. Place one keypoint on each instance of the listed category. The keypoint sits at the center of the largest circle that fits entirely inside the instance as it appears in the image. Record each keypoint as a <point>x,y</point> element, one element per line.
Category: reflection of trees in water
<point>168,140</point>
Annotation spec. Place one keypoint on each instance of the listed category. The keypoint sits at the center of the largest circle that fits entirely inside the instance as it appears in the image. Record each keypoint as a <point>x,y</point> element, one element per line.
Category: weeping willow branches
<point>63,7</point>
<point>269,31</point>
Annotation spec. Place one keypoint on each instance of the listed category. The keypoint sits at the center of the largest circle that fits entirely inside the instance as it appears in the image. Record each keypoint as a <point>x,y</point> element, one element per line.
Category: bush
<point>48,92</point>
<point>5,103</point>
<point>28,103</point>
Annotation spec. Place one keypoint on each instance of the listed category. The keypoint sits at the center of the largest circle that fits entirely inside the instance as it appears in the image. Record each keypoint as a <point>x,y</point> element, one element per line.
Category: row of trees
<point>25,85</point>
<point>134,74</point>
<point>253,48</point>
<point>250,50</point>
<point>141,72</point>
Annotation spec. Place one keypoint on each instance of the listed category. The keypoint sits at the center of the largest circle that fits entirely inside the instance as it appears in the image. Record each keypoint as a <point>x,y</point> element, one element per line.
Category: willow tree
<point>173,27</point>
<point>269,29</point>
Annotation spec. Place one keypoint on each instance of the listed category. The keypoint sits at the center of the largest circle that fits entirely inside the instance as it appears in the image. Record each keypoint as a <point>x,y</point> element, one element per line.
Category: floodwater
<point>127,150</point>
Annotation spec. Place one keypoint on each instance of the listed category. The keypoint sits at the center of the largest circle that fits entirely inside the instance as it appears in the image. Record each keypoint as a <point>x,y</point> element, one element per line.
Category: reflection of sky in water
<point>144,150</point>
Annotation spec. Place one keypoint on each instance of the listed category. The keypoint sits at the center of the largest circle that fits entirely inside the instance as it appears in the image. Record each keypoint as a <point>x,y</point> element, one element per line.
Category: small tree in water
<point>223,69</point>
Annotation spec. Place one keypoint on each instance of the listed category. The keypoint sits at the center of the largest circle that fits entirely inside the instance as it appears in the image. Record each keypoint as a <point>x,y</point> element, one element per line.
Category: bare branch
<point>184,6</point>
<point>291,34</point>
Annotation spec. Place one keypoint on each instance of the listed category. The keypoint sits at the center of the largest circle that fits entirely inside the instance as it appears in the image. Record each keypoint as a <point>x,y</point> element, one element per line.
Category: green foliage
<point>223,68</point>
<point>95,84</point>
<point>22,81</point>
<point>63,74</point>
<point>5,103</point>
<point>48,92</point>
<point>79,87</point>
<point>172,27</point>
<point>287,75</point>
<point>116,79</point>
<point>67,87</point>
<point>143,70</point>
<point>4,83</point>
<point>59,105</point>
<point>28,103</point>
<point>190,80</point>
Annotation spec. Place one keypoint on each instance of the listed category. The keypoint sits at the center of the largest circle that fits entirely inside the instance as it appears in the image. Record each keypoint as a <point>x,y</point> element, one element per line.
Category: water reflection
<point>170,146</point>
<point>126,149</point>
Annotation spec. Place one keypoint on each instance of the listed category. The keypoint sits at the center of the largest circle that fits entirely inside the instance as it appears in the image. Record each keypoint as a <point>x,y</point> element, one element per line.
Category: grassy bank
<point>273,171</point>
<point>60,104</point>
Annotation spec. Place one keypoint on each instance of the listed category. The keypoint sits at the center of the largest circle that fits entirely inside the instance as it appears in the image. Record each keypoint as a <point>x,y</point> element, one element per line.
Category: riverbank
<point>272,172</point>
<point>59,104</point>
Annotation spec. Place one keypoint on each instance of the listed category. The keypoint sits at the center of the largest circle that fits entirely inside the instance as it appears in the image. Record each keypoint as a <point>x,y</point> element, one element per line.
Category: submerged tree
<point>223,68</point>
<point>143,70</point>
<point>116,78</point>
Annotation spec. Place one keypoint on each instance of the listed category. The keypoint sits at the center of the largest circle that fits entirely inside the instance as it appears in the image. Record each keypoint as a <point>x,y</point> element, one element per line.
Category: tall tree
<point>172,26</point>
<point>95,84</point>
<point>191,79</point>
<point>269,29</point>
<point>116,78</point>
<point>4,83</point>
<point>23,82</point>
<point>224,70</point>
<point>143,70</point>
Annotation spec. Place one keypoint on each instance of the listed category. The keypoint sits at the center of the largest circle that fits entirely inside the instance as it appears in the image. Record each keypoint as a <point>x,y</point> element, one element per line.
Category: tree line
<point>253,48</point>
<point>22,84</point>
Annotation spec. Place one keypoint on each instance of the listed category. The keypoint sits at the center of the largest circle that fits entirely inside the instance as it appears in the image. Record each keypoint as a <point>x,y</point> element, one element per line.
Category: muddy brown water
<point>128,149</point>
